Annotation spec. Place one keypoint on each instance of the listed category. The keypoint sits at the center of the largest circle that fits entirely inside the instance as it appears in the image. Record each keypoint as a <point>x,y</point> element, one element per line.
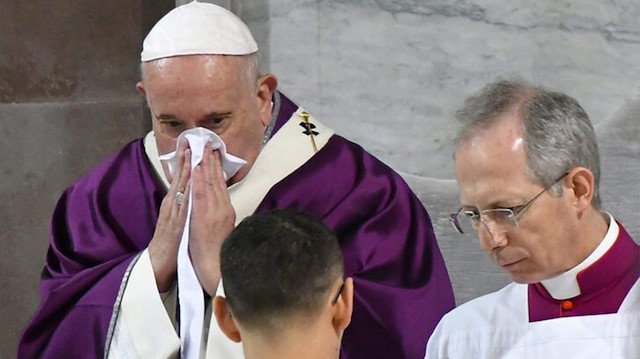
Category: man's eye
<point>471,214</point>
<point>215,122</point>
<point>514,210</point>
<point>172,124</point>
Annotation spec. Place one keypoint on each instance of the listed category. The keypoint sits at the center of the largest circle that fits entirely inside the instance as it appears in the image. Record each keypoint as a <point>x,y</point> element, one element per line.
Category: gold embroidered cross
<point>309,129</point>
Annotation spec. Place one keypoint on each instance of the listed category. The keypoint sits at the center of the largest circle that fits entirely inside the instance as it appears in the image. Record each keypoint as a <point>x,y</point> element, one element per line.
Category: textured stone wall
<point>390,73</point>
<point>67,100</point>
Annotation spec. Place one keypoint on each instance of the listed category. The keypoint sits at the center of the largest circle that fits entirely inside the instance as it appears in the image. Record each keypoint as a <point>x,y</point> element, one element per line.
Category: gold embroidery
<point>309,129</point>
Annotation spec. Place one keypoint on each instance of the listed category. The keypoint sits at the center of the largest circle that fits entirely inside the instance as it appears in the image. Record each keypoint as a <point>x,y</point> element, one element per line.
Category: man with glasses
<point>286,297</point>
<point>528,171</point>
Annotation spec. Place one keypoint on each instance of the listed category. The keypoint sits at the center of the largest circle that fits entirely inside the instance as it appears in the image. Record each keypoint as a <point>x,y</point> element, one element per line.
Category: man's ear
<point>140,88</point>
<point>582,184</point>
<point>225,321</point>
<point>265,88</point>
<point>343,307</point>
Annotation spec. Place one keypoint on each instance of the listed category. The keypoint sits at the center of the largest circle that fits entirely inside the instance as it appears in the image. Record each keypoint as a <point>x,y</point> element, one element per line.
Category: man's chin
<point>524,278</point>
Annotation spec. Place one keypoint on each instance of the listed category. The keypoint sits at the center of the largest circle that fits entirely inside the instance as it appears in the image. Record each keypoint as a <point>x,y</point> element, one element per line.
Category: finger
<point>174,183</point>
<point>219,185</point>
<point>218,175</point>
<point>186,170</point>
<point>182,214</point>
<point>209,170</point>
<point>165,208</point>
<point>204,200</point>
<point>207,165</point>
<point>178,193</point>
<point>169,201</point>
<point>209,177</point>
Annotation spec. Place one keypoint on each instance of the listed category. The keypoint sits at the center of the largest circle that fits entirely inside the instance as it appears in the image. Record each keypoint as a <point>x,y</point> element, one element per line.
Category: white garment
<point>143,327</point>
<point>497,326</point>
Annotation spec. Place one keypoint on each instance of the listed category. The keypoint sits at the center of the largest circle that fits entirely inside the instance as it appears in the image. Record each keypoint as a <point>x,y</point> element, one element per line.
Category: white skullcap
<point>198,29</point>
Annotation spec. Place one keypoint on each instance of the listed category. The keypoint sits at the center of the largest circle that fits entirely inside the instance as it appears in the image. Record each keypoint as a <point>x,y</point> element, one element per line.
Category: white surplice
<point>497,325</point>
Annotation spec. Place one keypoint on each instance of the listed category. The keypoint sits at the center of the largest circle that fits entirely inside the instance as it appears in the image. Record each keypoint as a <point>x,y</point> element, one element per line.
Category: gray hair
<point>250,64</point>
<point>558,134</point>
<point>252,68</point>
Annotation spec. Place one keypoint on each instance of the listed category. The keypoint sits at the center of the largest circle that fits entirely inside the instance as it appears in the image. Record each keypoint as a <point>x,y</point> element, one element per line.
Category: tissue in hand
<point>198,137</point>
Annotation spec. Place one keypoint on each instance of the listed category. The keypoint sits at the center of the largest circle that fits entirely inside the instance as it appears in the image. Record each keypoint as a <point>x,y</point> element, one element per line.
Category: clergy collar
<point>151,150</point>
<point>566,285</point>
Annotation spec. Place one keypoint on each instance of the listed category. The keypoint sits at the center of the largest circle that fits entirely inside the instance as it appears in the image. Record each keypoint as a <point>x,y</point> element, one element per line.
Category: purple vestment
<point>103,221</point>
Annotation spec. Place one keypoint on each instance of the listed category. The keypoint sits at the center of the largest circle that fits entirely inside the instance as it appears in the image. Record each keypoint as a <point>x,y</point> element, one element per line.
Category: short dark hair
<point>558,135</point>
<point>277,264</point>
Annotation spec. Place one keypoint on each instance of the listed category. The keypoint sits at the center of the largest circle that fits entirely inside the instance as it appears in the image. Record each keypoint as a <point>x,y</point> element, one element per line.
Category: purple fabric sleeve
<point>402,288</point>
<point>99,225</point>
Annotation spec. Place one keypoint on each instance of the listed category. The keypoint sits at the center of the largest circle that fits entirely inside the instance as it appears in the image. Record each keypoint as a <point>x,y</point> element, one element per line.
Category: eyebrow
<point>217,114</point>
<point>166,116</point>
<point>496,204</point>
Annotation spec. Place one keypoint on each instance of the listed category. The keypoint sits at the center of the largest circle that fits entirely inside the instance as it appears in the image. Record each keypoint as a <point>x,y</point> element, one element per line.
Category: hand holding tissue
<point>210,218</point>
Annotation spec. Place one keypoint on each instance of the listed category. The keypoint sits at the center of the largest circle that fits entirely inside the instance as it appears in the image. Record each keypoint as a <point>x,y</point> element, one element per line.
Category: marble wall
<point>390,73</point>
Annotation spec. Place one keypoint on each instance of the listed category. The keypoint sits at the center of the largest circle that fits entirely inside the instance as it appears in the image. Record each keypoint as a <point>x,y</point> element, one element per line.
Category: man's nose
<point>491,236</point>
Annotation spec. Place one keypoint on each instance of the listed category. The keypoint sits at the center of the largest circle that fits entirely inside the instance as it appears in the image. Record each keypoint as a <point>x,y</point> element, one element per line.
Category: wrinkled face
<point>490,169</point>
<point>214,92</point>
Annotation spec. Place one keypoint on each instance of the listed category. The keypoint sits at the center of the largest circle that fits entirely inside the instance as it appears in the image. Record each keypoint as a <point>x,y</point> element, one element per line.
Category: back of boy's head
<point>279,264</point>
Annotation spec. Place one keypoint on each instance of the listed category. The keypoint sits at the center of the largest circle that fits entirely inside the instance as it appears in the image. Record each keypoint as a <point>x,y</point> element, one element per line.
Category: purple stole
<point>603,285</point>
<point>103,221</point>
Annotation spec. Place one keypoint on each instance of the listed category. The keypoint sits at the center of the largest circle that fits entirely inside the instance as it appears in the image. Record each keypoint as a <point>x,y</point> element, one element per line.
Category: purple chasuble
<point>103,221</point>
<point>100,224</point>
<point>603,285</point>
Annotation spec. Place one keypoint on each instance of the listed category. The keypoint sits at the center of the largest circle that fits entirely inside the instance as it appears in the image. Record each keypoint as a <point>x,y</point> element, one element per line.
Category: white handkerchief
<point>190,292</point>
<point>198,137</point>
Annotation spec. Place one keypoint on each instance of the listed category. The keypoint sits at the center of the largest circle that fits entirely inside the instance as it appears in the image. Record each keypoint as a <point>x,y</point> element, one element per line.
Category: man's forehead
<point>493,157</point>
<point>194,69</point>
<point>500,138</point>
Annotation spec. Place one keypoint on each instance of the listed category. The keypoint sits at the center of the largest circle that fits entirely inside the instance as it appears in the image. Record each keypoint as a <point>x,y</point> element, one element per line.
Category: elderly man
<point>528,169</point>
<point>299,309</point>
<point>119,238</point>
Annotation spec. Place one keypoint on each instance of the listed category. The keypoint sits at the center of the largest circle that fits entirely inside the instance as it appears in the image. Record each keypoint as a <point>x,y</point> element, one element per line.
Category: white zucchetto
<point>198,29</point>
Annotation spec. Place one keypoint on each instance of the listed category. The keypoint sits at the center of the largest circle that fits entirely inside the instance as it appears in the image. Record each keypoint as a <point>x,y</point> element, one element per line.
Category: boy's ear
<point>343,307</point>
<point>225,321</point>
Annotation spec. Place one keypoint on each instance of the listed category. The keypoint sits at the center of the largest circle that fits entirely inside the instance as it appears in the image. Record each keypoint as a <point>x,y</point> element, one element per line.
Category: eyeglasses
<point>495,220</point>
